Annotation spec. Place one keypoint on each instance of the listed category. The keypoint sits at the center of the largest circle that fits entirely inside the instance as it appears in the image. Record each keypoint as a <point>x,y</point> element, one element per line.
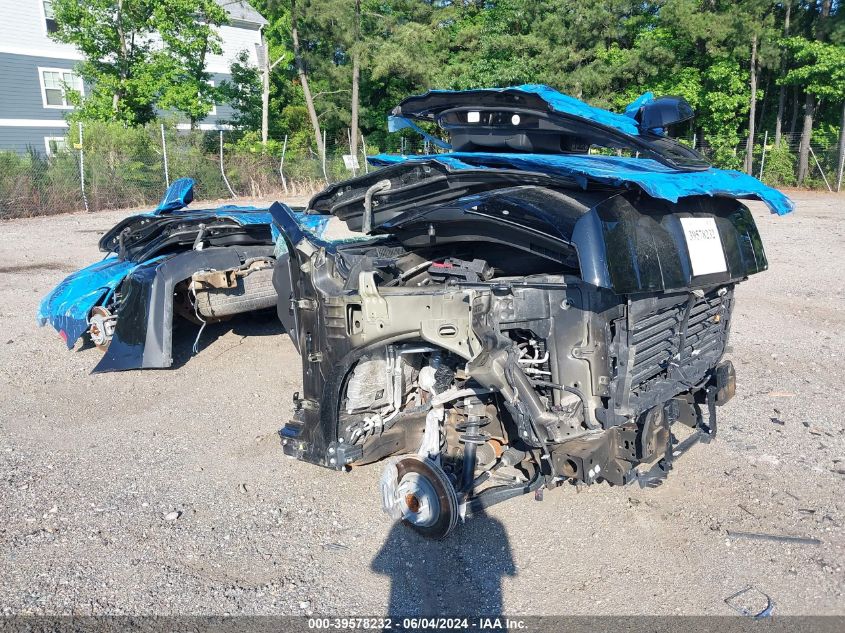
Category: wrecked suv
<point>548,301</point>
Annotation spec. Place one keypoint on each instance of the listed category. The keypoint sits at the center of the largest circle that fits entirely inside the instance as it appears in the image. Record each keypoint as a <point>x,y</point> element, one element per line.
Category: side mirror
<point>660,113</point>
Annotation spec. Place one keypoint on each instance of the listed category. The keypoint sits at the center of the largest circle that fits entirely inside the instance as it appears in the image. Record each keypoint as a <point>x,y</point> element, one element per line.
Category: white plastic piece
<point>430,445</point>
<point>426,379</point>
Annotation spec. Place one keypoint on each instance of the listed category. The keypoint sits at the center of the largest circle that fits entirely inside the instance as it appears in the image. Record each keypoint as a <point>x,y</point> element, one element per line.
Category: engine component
<point>417,491</point>
<point>377,385</point>
<point>223,293</point>
<point>368,388</point>
<point>472,437</point>
<point>558,335</point>
<point>459,269</point>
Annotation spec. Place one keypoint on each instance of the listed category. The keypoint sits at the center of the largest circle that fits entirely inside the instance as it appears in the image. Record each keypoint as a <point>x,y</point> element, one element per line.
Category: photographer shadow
<point>460,576</point>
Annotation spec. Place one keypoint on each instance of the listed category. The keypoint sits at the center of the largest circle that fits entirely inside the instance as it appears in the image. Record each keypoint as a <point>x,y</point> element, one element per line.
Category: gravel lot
<point>94,468</point>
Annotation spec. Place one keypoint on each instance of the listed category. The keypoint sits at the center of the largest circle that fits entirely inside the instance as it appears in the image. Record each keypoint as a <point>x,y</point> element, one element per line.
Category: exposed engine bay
<point>515,314</point>
<point>506,339</point>
<point>519,312</point>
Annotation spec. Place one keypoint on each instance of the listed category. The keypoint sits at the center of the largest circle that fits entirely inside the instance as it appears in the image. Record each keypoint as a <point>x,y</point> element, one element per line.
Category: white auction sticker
<point>704,245</point>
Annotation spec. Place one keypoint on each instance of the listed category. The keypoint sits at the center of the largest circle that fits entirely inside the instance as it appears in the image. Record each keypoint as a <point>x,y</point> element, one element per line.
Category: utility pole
<point>264,60</point>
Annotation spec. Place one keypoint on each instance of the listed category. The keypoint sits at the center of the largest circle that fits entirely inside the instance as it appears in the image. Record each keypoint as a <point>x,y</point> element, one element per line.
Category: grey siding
<point>224,112</point>
<point>18,139</point>
<point>20,87</point>
<point>20,98</point>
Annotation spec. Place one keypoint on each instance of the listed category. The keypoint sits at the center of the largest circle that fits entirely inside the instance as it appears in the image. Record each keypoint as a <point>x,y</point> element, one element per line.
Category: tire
<point>254,291</point>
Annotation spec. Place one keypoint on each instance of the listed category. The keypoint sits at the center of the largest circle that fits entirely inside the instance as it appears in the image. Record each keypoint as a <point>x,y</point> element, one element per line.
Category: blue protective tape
<point>177,196</point>
<point>67,306</point>
<point>658,181</point>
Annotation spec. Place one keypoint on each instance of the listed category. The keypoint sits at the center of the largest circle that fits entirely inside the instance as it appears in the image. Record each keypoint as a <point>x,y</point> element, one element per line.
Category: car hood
<point>538,119</point>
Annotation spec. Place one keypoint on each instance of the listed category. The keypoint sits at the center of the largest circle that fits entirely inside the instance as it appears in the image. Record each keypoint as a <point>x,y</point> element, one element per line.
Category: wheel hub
<point>101,327</point>
<point>416,491</point>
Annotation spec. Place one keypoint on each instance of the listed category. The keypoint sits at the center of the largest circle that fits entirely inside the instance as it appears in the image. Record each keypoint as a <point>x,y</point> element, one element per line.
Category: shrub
<point>779,168</point>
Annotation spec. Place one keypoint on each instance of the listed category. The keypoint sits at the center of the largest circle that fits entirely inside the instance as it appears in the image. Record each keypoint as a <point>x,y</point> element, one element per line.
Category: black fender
<point>143,336</point>
<point>285,280</point>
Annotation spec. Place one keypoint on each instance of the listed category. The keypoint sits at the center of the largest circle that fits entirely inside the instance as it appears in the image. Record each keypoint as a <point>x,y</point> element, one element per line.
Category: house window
<point>55,145</point>
<point>49,16</point>
<point>55,82</point>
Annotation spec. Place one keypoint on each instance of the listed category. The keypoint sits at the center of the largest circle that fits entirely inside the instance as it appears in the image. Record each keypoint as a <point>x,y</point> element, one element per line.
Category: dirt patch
<point>92,466</point>
<point>26,268</point>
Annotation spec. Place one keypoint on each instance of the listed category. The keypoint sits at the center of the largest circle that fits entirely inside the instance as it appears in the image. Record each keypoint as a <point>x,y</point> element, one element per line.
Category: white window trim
<point>41,71</point>
<point>47,140</point>
<point>43,17</point>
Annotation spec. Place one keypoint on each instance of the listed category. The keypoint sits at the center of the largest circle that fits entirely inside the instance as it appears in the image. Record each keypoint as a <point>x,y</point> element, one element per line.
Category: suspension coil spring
<point>471,432</point>
<point>472,436</point>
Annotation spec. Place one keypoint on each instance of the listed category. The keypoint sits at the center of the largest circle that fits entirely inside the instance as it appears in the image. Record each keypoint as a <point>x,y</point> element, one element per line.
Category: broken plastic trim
<point>396,123</point>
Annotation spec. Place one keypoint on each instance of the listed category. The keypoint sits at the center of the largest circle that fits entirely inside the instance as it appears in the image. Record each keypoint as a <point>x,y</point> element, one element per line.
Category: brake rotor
<point>417,491</point>
<point>101,327</point>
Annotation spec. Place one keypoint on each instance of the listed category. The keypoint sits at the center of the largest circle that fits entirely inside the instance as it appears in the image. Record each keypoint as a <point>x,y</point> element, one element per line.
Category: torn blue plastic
<point>396,123</point>
<point>68,305</point>
<point>632,108</point>
<point>296,225</point>
<point>655,179</point>
<point>244,215</point>
<point>178,195</point>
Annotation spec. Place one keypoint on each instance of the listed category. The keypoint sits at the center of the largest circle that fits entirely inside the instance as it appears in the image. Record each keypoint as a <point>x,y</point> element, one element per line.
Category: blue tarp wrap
<point>244,215</point>
<point>655,179</point>
<point>178,195</point>
<point>314,224</point>
<point>69,304</point>
<point>565,104</point>
<point>241,215</point>
<point>632,108</point>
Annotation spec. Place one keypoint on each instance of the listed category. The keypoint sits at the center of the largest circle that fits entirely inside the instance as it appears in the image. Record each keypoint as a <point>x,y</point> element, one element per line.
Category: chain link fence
<point>104,167</point>
<point>777,164</point>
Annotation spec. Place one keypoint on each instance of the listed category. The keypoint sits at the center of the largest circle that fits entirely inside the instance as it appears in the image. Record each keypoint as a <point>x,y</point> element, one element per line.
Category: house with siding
<point>34,69</point>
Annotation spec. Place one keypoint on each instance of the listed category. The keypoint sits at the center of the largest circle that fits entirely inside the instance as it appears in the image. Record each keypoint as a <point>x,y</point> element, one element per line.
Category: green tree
<point>819,68</point>
<point>142,54</point>
<point>189,31</point>
<point>243,93</point>
<point>121,65</point>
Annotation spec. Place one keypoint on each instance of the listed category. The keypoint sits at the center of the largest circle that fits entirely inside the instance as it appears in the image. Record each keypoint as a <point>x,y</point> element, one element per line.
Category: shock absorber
<point>472,436</point>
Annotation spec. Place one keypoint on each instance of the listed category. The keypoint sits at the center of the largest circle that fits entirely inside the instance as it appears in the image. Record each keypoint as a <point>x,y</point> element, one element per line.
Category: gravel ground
<point>166,492</point>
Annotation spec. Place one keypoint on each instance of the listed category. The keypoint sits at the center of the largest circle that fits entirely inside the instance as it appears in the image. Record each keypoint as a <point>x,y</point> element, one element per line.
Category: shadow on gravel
<point>461,576</point>
<point>245,326</point>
